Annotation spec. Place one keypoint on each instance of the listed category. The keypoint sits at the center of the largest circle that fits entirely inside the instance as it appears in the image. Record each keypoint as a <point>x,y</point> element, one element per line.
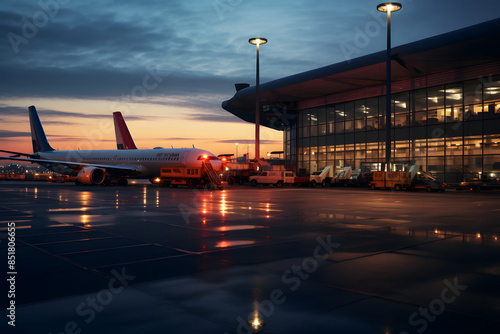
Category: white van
<point>277,178</point>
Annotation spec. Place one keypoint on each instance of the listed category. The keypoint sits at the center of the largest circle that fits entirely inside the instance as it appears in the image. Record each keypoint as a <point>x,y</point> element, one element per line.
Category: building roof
<point>458,49</point>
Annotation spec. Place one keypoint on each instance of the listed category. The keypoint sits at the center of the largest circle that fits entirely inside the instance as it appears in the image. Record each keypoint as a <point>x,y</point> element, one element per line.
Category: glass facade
<point>451,131</point>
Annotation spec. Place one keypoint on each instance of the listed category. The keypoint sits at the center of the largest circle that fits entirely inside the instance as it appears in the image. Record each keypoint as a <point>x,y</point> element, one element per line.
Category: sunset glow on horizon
<point>151,125</point>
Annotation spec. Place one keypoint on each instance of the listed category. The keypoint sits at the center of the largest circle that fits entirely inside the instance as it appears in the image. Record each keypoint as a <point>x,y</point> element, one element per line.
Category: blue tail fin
<point>38,138</point>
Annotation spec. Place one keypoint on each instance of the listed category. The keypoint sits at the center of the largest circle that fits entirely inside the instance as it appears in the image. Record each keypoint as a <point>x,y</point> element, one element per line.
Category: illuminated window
<point>454,103</point>
<point>454,146</point>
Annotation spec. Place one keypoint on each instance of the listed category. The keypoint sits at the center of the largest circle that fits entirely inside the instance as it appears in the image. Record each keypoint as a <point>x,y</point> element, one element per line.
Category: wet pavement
<point>143,259</point>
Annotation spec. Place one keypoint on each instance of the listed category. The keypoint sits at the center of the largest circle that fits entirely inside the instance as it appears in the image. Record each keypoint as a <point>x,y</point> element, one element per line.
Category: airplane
<point>94,167</point>
<point>124,140</point>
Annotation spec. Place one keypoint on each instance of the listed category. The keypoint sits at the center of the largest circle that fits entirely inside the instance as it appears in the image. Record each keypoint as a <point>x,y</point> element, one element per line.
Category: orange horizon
<point>157,126</point>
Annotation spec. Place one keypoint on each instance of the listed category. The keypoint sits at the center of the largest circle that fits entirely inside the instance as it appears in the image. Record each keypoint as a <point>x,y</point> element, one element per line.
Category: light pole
<point>257,41</point>
<point>237,151</point>
<point>388,7</point>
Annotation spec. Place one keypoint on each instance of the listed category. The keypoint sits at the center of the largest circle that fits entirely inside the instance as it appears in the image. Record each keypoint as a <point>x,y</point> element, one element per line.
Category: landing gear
<point>122,182</point>
<point>106,182</point>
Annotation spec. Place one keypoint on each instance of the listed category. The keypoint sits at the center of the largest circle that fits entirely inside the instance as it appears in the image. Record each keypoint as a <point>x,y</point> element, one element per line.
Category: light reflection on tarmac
<point>143,259</point>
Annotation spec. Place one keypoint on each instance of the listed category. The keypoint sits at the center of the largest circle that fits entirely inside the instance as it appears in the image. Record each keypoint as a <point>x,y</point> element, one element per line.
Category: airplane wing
<point>77,166</point>
<point>18,154</point>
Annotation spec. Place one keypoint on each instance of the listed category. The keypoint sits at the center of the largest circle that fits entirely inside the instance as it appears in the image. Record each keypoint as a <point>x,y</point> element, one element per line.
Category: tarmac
<point>144,259</point>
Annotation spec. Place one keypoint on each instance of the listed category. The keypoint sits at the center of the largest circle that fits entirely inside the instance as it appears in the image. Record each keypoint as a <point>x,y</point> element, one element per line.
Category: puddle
<point>235,228</point>
<point>226,244</point>
<point>66,210</point>
<point>80,219</point>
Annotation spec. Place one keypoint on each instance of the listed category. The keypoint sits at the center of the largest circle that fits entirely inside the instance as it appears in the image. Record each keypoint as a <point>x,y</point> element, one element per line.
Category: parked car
<point>424,181</point>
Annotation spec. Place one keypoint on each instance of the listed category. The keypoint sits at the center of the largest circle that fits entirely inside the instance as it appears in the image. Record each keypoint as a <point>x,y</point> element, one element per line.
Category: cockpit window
<point>207,157</point>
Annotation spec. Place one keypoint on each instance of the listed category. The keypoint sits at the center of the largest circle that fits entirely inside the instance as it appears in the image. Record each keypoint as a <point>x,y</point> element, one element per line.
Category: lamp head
<point>257,40</point>
<point>389,7</point>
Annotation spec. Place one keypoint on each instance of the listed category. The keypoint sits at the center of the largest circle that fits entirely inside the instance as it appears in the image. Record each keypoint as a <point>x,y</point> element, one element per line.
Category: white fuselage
<point>147,161</point>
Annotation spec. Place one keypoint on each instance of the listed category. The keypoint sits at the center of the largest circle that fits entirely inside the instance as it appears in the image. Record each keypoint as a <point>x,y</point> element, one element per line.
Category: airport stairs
<point>212,174</point>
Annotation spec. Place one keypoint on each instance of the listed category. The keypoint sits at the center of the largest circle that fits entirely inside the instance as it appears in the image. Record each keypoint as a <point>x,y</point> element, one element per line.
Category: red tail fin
<point>124,140</point>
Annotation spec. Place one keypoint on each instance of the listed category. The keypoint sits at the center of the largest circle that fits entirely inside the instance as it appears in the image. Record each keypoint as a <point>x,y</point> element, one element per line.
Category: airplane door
<point>184,158</point>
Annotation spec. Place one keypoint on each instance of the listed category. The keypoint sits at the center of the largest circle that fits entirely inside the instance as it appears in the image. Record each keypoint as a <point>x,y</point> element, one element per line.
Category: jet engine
<point>91,175</point>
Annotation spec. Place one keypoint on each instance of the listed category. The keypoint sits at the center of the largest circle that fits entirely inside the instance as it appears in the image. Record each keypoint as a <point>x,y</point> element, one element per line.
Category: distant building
<point>446,108</point>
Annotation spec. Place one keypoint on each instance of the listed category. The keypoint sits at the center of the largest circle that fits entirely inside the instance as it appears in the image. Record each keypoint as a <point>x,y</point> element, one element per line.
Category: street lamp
<point>237,151</point>
<point>388,7</point>
<point>257,41</point>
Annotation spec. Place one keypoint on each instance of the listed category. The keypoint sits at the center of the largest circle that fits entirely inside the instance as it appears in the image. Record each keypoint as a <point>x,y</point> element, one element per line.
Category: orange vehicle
<point>396,180</point>
<point>205,176</point>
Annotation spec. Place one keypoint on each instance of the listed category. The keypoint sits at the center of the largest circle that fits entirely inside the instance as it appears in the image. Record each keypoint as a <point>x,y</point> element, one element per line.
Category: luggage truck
<point>396,180</point>
<point>322,178</point>
<point>238,176</point>
<point>342,178</point>
<point>193,177</point>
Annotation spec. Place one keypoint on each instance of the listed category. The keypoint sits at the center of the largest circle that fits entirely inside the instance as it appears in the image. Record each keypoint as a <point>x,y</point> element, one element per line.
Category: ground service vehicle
<point>238,176</point>
<point>353,179</point>
<point>396,180</point>
<point>204,176</point>
<point>322,178</point>
<point>342,178</point>
<point>278,178</point>
<point>424,181</point>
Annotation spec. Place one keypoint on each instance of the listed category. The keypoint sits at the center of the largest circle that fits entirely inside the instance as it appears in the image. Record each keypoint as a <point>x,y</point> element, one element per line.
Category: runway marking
<point>104,249</point>
<point>65,241</point>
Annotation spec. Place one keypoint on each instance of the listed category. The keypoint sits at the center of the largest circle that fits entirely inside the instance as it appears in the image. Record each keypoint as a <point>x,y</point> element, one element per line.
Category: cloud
<point>15,111</point>
<point>207,117</point>
<point>107,49</point>
<point>10,134</point>
<point>57,123</point>
<point>5,134</point>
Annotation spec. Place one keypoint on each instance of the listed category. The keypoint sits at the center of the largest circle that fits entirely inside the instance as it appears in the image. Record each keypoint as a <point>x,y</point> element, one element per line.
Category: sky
<point>168,65</point>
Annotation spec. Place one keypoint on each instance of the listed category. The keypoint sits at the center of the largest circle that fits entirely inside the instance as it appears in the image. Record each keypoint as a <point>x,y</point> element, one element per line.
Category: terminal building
<point>445,108</point>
